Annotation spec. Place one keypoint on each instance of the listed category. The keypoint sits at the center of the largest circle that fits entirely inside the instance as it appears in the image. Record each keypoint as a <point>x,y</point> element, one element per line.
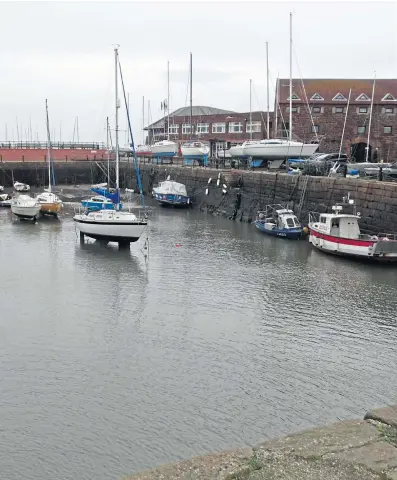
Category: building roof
<point>336,90</point>
<point>197,111</point>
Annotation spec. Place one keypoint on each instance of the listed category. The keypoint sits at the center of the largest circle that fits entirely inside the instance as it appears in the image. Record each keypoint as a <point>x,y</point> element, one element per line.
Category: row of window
<point>362,110</point>
<point>233,127</point>
<point>360,130</point>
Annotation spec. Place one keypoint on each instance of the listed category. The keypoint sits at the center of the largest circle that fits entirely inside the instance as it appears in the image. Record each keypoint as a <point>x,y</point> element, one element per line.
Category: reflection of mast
<point>267,90</point>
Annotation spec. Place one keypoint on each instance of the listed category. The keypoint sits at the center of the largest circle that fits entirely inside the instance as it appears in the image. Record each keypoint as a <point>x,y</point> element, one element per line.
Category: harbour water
<point>111,364</point>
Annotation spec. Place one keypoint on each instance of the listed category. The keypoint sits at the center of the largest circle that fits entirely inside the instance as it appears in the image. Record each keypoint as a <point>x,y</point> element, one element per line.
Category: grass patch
<point>388,433</point>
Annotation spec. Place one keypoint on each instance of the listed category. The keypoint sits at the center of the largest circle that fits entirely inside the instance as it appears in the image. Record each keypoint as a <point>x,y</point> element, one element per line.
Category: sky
<point>63,51</point>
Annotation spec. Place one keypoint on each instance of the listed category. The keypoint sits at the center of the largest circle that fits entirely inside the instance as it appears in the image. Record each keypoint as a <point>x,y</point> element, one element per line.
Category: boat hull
<point>50,208</point>
<point>195,152</point>
<point>110,231</point>
<point>27,213</point>
<point>171,199</point>
<point>279,151</point>
<point>290,233</point>
<point>366,250</point>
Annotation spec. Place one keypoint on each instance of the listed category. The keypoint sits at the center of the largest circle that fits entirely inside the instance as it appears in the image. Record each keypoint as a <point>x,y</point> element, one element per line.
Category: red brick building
<point>220,128</point>
<point>319,109</point>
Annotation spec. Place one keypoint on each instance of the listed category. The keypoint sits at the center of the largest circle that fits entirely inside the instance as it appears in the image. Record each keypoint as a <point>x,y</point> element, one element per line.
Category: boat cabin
<point>338,225</point>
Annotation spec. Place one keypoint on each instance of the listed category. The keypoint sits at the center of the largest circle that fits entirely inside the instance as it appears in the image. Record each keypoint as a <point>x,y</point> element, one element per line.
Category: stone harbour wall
<point>249,191</point>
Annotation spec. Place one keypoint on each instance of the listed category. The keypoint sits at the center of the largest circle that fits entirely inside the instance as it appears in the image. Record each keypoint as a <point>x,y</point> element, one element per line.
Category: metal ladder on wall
<point>302,197</point>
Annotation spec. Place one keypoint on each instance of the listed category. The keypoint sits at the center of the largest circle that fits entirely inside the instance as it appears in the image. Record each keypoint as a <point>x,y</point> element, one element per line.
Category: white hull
<point>237,151</point>
<point>280,151</point>
<point>25,212</point>
<point>110,226</point>
<point>195,151</point>
<point>166,150</point>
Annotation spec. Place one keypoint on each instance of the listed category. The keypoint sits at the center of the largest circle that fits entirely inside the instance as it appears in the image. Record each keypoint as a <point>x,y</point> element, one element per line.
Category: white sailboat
<point>50,204</point>
<point>281,148</point>
<point>165,149</point>
<point>112,225</point>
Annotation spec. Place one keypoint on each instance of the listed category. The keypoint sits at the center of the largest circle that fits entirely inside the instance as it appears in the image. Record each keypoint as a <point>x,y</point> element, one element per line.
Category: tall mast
<point>276,109</point>
<point>143,120</point>
<point>116,95</point>
<point>128,131</point>
<point>108,147</point>
<point>191,95</point>
<point>48,146</point>
<point>344,124</point>
<point>168,100</point>
<point>250,109</point>
<point>370,117</point>
<point>290,76</point>
<point>148,122</point>
<point>267,90</point>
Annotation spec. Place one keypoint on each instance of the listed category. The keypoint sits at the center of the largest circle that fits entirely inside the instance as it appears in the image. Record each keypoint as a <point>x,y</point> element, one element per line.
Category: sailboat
<point>194,150</point>
<point>112,225</point>
<point>282,148</point>
<point>165,149</point>
<point>50,204</point>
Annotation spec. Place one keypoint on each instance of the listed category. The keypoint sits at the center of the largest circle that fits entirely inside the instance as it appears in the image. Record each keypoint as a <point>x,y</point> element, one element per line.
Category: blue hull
<point>171,199</point>
<point>256,163</point>
<point>292,233</point>
<point>98,205</point>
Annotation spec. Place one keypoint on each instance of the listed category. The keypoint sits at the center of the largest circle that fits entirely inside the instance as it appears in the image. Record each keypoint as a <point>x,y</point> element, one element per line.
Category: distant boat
<point>279,149</point>
<point>21,187</point>
<point>5,200</point>
<point>25,207</point>
<point>194,150</point>
<point>99,202</point>
<point>171,193</point>
<point>279,221</point>
<point>164,148</point>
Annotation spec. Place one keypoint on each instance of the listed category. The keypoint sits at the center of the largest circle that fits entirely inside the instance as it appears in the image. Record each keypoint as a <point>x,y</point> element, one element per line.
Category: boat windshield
<point>290,222</point>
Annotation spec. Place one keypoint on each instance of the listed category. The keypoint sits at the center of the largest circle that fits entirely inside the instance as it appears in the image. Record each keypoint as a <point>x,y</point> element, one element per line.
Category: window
<point>253,127</point>
<point>323,219</point>
<point>389,110</point>
<point>363,110</point>
<point>315,128</point>
<point>361,130</point>
<point>293,109</point>
<point>219,128</point>
<point>387,129</point>
<point>174,129</point>
<point>339,109</point>
<point>236,127</point>
<point>186,128</point>
<point>290,222</point>
<point>203,128</point>
<point>316,110</point>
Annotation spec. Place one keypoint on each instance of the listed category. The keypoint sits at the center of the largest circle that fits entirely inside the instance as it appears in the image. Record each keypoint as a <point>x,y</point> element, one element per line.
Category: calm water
<point>110,365</point>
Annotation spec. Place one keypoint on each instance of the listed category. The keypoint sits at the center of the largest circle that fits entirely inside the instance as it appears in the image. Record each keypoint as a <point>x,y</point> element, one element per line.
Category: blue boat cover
<point>114,196</point>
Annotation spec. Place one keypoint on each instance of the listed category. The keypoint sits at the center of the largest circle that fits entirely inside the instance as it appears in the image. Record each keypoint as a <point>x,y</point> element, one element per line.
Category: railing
<point>56,145</point>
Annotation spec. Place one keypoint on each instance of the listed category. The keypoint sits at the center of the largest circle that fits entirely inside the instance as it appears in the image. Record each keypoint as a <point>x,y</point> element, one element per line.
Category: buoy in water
<point>305,230</point>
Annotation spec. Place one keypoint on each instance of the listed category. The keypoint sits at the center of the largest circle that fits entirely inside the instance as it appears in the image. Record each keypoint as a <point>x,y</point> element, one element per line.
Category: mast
<point>290,77</point>
<point>267,90</point>
<point>128,132</point>
<point>148,121</point>
<point>250,109</point>
<point>116,54</point>
<point>108,147</point>
<point>191,95</point>
<point>276,110</point>
<point>168,100</point>
<point>48,147</point>
<point>344,124</point>
<point>370,118</point>
<point>143,120</point>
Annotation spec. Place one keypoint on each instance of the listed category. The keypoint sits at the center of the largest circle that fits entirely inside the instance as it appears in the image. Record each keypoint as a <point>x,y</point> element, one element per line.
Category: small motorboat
<point>21,187</point>
<point>339,233</point>
<point>5,200</point>
<point>98,203</point>
<point>279,221</point>
<point>171,193</point>
<point>25,207</point>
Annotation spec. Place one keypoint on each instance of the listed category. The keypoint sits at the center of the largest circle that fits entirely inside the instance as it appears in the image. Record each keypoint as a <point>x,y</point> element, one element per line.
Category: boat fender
<point>206,191</point>
<point>224,186</point>
<point>209,180</point>
<point>218,182</point>
<point>224,191</point>
<point>219,175</point>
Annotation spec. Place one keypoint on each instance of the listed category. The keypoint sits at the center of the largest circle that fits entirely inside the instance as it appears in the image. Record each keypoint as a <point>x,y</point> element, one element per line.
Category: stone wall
<point>249,191</point>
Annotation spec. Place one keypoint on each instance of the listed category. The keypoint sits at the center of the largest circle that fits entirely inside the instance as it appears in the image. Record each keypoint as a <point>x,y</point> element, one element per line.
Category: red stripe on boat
<point>343,241</point>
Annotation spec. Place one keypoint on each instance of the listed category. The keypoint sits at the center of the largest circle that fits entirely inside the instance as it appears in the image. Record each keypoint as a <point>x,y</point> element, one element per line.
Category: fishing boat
<point>339,233</point>
<point>171,193</point>
<point>50,204</point>
<point>113,225</point>
<point>5,200</point>
<point>25,207</point>
<point>21,187</point>
<point>278,221</point>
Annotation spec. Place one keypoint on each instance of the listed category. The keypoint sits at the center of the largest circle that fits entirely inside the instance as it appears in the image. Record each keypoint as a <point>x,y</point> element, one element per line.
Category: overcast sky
<point>64,52</point>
